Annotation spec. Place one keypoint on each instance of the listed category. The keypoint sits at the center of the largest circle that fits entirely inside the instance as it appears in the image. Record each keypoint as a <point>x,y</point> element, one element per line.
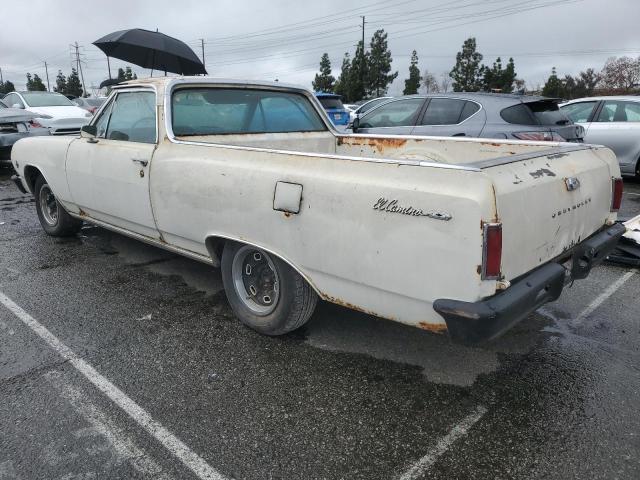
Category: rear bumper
<point>477,322</point>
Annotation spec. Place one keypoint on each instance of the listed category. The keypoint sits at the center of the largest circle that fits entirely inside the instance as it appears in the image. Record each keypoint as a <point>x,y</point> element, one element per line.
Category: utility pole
<point>79,65</point>
<point>1,79</point>
<point>46,69</point>
<point>202,45</point>
<point>363,59</point>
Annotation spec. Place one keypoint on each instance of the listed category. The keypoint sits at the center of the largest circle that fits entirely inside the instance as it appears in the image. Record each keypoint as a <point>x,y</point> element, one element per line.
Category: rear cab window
<point>333,103</point>
<point>535,113</point>
<point>223,111</point>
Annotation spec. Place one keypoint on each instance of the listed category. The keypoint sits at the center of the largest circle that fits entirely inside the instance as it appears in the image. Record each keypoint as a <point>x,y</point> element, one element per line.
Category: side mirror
<point>17,105</point>
<point>89,132</point>
<point>355,125</point>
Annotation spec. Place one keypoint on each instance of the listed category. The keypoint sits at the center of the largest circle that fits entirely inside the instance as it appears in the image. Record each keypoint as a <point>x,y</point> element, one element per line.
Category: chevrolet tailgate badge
<point>572,183</point>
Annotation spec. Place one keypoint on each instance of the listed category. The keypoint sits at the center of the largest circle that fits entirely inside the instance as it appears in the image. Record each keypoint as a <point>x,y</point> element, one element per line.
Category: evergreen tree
<point>358,75</point>
<point>34,84</point>
<point>61,83</point>
<point>342,84</point>
<point>74,87</point>
<point>379,65</point>
<point>498,78</point>
<point>412,83</point>
<point>553,87</point>
<point>467,73</point>
<point>6,87</point>
<point>324,81</point>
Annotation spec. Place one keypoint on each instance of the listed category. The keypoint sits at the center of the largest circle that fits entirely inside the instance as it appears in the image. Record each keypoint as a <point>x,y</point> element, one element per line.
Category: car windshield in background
<point>2,105</point>
<point>94,102</point>
<point>46,99</point>
<point>535,113</point>
<point>331,102</point>
<point>369,105</point>
<point>214,111</point>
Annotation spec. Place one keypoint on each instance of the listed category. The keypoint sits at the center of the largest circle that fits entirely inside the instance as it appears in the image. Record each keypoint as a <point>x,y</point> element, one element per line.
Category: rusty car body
<point>460,235</point>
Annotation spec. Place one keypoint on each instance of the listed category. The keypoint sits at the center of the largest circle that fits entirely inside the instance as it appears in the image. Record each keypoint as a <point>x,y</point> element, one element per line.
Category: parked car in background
<point>366,106</point>
<point>63,117</point>
<point>488,115</point>
<point>15,124</point>
<point>351,107</point>
<point>613,122</point>
<point>89,104</point>
<point>332,104</point>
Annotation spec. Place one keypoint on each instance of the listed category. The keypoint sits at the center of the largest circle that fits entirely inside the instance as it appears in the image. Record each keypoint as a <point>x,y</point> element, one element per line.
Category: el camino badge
<point>391,206</point>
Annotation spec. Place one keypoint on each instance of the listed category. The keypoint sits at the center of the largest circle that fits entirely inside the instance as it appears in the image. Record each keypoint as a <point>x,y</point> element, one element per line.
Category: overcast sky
<point>284,39</point>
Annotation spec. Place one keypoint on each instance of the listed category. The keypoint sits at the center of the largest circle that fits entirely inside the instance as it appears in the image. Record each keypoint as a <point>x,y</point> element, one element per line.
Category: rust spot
<point>82,213</point>
<point>380,144</point>
<point>479,269</point>
<point>351,306</point>
<point>491,144</point>
<point>287,214</point>
<point>433,327</point>
<point>542,172</point>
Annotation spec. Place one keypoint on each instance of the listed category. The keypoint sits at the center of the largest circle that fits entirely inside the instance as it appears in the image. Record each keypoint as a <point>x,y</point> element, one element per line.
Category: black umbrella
<point>153,50</point>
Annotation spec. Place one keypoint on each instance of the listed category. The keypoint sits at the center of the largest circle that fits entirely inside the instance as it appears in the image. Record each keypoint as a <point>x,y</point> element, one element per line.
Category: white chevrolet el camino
<point>460,235</point>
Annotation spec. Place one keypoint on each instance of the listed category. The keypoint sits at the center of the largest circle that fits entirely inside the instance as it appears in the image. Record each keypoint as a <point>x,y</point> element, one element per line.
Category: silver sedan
<point>613,122</point>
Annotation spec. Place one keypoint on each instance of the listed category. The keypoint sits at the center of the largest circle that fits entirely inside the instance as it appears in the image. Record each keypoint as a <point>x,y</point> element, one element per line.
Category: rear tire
<point>53,217</point>
<point>265,293</point>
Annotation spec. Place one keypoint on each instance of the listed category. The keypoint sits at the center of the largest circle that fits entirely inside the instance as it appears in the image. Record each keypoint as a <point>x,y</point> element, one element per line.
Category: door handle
<point>144,163</point>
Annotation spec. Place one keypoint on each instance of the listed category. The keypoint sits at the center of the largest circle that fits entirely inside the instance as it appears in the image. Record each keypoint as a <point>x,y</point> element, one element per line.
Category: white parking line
<point>611,289</point>
<point>124,448</point>
<point>169,441</point>
<point>459,430</point>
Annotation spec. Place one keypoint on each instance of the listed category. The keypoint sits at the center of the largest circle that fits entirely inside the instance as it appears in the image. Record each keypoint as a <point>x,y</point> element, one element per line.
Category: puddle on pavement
<point>197,275</point>
<point>339,329</point>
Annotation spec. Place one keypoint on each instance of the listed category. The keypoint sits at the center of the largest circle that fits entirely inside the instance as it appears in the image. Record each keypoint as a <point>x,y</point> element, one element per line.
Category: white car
<point>61,115</point>
<point>613,122</point>
<point>444,234</point>
<point>365,107</point>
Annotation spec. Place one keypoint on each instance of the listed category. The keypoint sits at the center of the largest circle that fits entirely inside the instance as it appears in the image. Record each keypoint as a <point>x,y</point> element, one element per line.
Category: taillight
<point>35,124</point>
<point>540,136</point>
<point>616,194</point>
<point>492,251</point>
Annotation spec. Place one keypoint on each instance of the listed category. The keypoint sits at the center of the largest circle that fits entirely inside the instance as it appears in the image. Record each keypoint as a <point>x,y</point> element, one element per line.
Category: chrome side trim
<point>559,151</point>
<point>145,239</point>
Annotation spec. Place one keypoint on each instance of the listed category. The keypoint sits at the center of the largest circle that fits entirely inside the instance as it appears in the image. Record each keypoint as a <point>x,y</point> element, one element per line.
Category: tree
<point>553,87</point>
<point>445,82</point>
<point>587,82</point>
<point>74,87</point>
<point>358,75</point>
<point>621,73</point>
<point>61,83</point>
<point>126,74</point>
<point>467,73</point>
<point>498,78</point>
<point>430,83</point>
<point>6,87</point>
<point>412,83</point>
<point>380,76</point>
<point>324,81</point>
<point>34,84</point>
<point>342,84</point>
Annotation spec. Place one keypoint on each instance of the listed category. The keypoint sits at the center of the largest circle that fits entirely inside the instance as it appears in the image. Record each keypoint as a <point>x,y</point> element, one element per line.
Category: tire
<point>53,217</point>
<point>265,293</point>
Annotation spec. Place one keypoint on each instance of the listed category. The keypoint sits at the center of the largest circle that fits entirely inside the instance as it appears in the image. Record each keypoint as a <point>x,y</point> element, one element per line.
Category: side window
<point>395,114</point>
<point>518,115</point>
<point>103,121</point>
<point>619,111</point>
<point>443,111</point>
<point>13,99</point>
<point>133,117</point>
<point>469,109</point>
<point>632,111</point>
<point>579,112</point>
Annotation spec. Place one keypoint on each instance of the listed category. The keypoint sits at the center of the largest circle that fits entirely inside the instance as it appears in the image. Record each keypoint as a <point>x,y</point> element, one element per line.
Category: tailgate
<point>548,204</point>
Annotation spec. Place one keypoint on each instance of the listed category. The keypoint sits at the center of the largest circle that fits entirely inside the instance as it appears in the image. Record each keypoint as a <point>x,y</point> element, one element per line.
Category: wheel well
<point>215,246</point>
<point>31,174</point>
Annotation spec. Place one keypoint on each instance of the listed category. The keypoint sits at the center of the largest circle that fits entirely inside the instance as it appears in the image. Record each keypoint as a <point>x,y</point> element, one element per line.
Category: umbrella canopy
<point>153,50</point>
<point>109,82</point>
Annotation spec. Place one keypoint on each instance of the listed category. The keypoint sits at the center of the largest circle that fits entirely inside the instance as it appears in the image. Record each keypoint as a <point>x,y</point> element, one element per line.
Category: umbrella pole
<point>109,67</point>
<point>153,59</point>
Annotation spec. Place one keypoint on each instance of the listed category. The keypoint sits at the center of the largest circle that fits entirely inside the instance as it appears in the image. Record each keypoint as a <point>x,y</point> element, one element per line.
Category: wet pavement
<point>347,397</point>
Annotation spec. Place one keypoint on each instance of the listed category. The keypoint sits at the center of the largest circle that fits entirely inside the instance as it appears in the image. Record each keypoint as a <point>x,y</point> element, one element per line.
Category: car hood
<point>61,112</point>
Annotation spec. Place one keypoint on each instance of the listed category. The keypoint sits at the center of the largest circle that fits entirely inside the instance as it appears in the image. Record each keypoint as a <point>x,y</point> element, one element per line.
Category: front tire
<point>265,293</point>
<point>53,217</point>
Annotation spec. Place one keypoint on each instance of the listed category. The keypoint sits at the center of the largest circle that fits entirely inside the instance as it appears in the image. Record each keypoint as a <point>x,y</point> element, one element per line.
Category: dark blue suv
<point>332,104</point>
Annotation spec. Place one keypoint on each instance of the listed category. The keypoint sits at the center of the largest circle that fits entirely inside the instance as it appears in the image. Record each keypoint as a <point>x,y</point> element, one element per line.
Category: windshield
<point>331,102</point>
<point>46,99</point>
<point>211,111</point>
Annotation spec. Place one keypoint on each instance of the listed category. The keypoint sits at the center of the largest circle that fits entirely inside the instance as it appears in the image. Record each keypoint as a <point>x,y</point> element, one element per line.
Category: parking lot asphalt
<point>119,360</point>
